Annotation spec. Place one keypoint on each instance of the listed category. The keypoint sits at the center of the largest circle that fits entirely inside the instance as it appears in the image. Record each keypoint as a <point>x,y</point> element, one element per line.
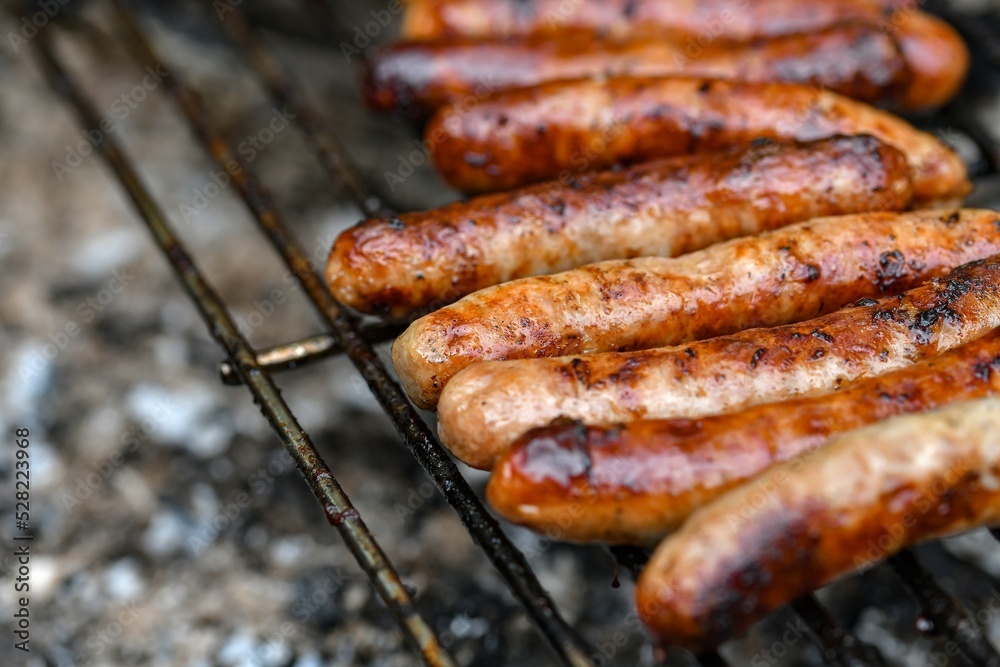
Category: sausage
<point>855,59</point>
<point>633,483</point>
<point>864,497</point>
<point>934,53</point>
<point>565,128</point>
<point>789,275</point>
<point>487,406</point>
<point>401,266</point>
<point>728,19</point>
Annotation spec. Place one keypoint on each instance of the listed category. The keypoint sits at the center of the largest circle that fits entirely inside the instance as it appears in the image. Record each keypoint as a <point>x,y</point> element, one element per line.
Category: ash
<point>169,526</point>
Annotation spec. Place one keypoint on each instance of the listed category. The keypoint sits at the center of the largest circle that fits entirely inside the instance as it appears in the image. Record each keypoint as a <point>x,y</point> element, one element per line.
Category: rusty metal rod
<point>289,356</point>
<point>286,93</point>
<point>483,527</point>
<point>336,505</point>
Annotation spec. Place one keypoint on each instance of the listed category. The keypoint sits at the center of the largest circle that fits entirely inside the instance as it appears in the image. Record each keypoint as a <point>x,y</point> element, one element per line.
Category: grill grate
<point>246,365</point>
<point>944,611</point>
<point>324,486</point>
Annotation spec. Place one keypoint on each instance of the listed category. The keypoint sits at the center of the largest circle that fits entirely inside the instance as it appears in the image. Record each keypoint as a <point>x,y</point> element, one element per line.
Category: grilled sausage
<point>635,482</point>
<point>564,128</point>
<point>864,497</point>
<point>727,19</point>
<point>934,54</point>
<point>789,275</point>
<point>397,267</point>
<point>857,60</point>
<point>487,406</point>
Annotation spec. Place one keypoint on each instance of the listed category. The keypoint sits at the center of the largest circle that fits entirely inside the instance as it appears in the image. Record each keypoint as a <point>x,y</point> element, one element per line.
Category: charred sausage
<point>857,60</point>
<point>397,267</point>
<point>633,483</point>
<point>865,496</point>
<point>565,128</point>
<point>785,276</point>
<point>487,406</point>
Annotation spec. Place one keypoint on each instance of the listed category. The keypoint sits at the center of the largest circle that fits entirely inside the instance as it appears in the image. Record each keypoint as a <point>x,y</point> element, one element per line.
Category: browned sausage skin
<point>857,60</point>
<point>806,522</point>
<point>788,275</point>
<point>487,406</point>
<point>635,482</point>
<point>733,19</point>
<point>935,55</point>
<point>398,267</point>
<point>561,129</point>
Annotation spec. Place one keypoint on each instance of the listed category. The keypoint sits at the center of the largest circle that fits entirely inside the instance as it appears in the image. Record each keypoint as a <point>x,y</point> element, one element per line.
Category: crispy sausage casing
<point>635,482</point>
<point>401,266</point>
<point>565,128</point>
<point>487,406</point>
<point>731,19</point>
<point>789,275</point>
<point>856,59</point>
<point>805,522</point>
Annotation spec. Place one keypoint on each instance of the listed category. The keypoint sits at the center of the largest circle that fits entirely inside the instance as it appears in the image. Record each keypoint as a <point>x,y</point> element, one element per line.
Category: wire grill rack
<point>254,368</point>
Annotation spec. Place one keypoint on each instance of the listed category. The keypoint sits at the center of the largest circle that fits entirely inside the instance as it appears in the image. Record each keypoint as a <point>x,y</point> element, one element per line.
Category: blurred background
<point>169,526</point>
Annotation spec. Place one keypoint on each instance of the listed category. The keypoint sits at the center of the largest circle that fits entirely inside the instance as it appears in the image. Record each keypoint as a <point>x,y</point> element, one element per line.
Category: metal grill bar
<point>485,529</point>
<point>337,506</point>
<point>944,611</point>
<point>838,646</point>
<point>290,356</point>
<point>286,93</point>
<point>634,560</point>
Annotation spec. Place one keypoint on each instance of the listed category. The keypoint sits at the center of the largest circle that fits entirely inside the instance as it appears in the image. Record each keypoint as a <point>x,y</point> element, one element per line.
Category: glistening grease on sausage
<point>398,267</point>
<point>635,482</point>
<point>562,129</point>
<point>489,405</point>
<point>784,276</point>
<point>858,60</point>
<point>865,496</point>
